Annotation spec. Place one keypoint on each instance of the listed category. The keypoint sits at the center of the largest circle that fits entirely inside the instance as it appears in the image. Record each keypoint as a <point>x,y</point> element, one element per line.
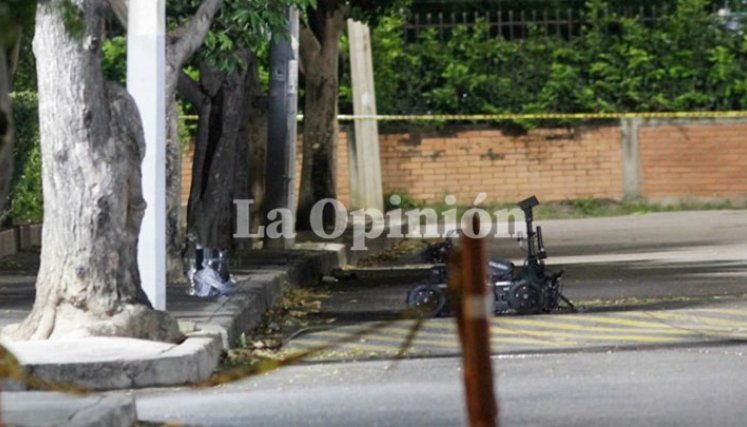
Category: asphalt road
<point>677,387</point>
<point>652,263</point>
<point>674,254</point>
<point>652,260</point>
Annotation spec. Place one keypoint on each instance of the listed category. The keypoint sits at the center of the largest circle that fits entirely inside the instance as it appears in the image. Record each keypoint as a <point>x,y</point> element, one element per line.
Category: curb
<point>259,289</point>
<point>97,363</point>
<point>403,274</point>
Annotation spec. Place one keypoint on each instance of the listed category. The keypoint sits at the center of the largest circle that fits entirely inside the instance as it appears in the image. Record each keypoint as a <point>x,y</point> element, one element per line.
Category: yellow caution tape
<point>533,116</point>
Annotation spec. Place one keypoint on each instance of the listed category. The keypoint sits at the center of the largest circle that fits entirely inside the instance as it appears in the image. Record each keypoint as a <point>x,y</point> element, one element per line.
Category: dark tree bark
<point>174,232</point>
<point>92,147</point>
<point>10,46</point>
<point>257,144</point>
<point>319,48</point>
<point>13,55</point>
<point>6,131</point>
<point>179,49</point>
<point>221,157</point>
<point>250,171</point>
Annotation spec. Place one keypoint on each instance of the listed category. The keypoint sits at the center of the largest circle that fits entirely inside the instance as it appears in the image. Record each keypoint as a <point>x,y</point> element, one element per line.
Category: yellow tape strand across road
<point>535,116</point>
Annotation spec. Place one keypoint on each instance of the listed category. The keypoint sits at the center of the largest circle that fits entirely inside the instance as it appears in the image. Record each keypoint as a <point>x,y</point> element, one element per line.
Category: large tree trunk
<point>257,144</point>
<point>92,147</point>
<point>174,233</point>
<point>253,135</point>
<point>6,132</point>
<point>319,54</point>
<point>219,154</point>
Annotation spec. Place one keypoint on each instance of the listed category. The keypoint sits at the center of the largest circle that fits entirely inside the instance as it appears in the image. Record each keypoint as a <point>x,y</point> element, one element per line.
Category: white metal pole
<point>146,82</point>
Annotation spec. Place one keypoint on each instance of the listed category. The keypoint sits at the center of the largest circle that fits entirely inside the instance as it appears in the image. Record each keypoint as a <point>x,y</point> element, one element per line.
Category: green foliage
<point>26,204</point>
<point>688,61</point>
<point>114,59</point>
<point>405,201</point>
<point>371,11</point>
<point>239,24</point>
<point>72,18</point>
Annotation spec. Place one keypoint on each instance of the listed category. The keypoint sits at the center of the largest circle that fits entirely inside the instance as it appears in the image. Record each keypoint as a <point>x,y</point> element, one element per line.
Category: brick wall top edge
<point>457,130</point>
<point>693,121</point>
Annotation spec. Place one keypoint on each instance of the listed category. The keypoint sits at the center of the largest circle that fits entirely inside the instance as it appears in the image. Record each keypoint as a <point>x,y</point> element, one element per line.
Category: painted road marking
<point>313,342</point>
<point>385,338</point>
<point>543,332</point>
<point>556,335</point>
<point>586,327</point>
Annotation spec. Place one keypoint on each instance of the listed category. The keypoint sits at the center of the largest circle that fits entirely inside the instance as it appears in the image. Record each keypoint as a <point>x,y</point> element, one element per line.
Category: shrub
<point>25,198</point>
<point>689,60</point>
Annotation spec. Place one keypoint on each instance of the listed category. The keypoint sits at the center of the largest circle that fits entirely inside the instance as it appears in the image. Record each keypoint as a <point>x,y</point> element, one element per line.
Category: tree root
<point>68,322</point>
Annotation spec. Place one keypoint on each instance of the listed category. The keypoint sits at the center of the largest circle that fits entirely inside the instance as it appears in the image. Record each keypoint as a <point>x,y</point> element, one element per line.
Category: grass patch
<point>587,208</point>
<point>659,301</point>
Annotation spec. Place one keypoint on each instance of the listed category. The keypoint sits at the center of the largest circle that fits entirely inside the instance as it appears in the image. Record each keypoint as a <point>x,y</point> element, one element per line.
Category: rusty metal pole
<point>456,290</point>
<point>476,310</point>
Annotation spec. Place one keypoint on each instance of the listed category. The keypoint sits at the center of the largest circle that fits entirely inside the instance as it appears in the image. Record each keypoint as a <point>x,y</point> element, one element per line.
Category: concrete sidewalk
<point>106,363</point>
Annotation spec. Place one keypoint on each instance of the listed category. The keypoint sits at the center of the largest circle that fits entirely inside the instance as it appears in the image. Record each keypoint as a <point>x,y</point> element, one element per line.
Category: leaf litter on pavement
<point>262,349</point>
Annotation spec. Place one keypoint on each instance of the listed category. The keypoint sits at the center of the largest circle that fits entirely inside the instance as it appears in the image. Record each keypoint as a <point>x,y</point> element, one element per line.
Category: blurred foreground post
<point>474,328</point>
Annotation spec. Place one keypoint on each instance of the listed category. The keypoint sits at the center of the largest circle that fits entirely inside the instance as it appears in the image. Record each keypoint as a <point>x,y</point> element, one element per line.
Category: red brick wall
<point>554,164</point>
<point>694,160</point>
<point>187,156</point>
<point>682,160</point>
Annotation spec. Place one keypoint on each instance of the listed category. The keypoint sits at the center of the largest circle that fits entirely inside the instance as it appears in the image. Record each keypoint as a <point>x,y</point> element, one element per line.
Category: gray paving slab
<point>38,409</point>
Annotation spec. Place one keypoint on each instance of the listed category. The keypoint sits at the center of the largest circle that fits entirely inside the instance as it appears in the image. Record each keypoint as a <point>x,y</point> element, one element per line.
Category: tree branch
<point>333,27</point>
<point>190,90</point>
<point>309,46</point>
<point>120,7</point>
<point>193,32</point>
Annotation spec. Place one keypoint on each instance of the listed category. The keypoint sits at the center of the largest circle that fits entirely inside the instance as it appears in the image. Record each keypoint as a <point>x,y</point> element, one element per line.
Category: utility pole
<point>146,74</point>
<point>476,308</point>
<point>363,150</point>
<point>282,122</point>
